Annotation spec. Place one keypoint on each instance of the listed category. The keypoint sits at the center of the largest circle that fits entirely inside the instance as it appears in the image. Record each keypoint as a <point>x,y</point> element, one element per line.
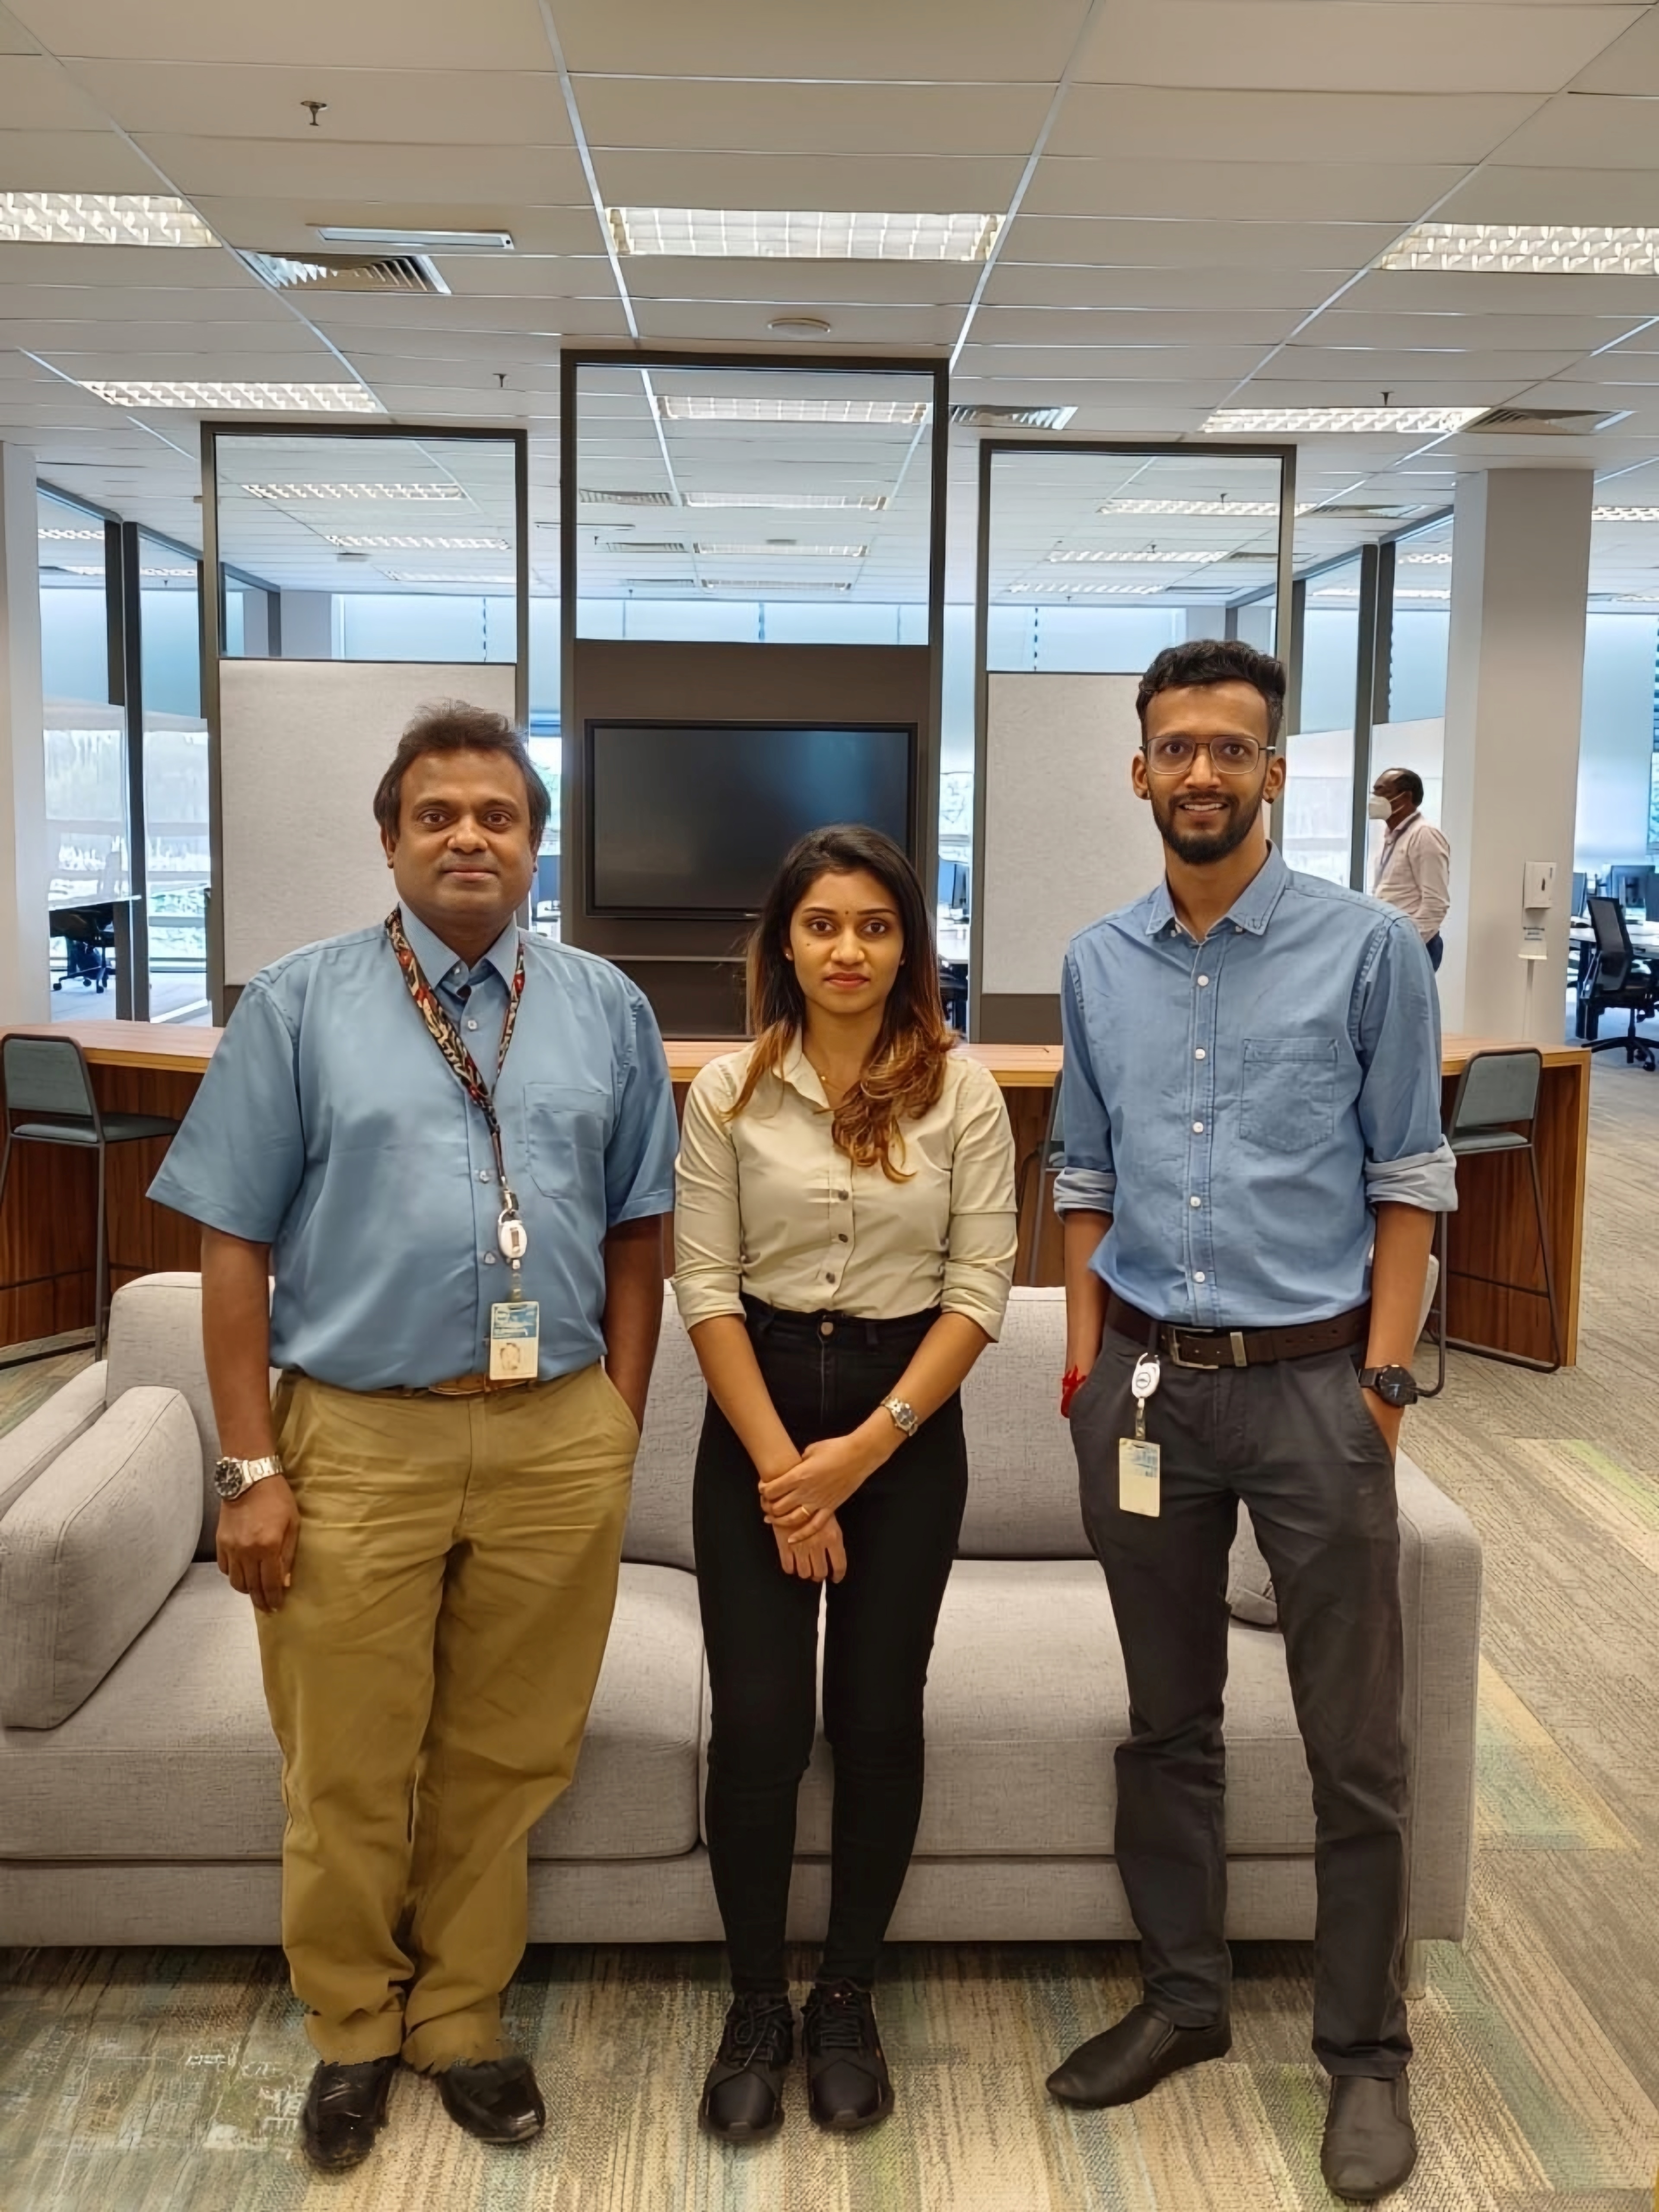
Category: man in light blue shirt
<point>452,1145</point>
<point>1253,1112</point>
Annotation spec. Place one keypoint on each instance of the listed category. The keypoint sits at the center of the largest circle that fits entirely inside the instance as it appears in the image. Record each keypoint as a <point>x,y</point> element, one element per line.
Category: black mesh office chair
<point>47,1082</point>
<point>1493,1109</point>
<point>1612,978</point>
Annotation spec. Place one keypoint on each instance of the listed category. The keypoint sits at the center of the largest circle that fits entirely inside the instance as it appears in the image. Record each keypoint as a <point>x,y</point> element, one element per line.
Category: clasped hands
<point>800,1503</point>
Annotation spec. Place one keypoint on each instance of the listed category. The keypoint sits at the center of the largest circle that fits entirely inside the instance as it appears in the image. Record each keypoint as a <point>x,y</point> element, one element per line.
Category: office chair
<point>1612,978</point>
<point>47,1081</point>
<point>88,935</point>
<point>1493,1110</point>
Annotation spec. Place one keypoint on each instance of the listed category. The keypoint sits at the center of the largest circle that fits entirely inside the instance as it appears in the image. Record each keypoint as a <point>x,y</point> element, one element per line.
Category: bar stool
<point>48,1076</point>
<point>1493,1109</point>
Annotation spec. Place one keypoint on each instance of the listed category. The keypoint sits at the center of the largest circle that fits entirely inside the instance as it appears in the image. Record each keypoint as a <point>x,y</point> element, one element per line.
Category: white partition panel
<point>302,744</point>
<point>1066,839</point>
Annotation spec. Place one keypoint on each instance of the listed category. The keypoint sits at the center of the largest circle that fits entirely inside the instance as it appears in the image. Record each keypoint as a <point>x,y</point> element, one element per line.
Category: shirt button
<point>1198,1274</point>
<point>472,1025</point>
<point>843,1193</point>
<point>1198,1128</point>
<point>840,1236</point>
<point>483,1175</point>
<point>1202,981</point>
<point>830,1277</point>
<point>489,1259</point>
<point>1195,1201</point>
<point>1199,1055</point>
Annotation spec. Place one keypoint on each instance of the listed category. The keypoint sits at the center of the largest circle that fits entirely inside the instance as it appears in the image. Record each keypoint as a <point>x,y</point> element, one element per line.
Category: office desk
<point>151,1067</point>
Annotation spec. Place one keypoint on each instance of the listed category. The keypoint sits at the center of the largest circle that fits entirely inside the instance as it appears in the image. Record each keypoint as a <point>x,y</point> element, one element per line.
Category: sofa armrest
<point>1440,1605</point>
<point>29,1448</point>
<point>91,1551</point>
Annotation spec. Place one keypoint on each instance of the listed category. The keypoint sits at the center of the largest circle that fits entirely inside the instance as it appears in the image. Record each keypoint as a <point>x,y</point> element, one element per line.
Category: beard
<point>1225,834</point>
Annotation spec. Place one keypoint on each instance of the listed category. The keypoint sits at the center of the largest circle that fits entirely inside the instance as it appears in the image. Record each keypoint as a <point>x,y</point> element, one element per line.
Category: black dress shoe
<point>495,2099</point>
<point>1132,2058</point>
<point>743,2094</point>
<point>344,2111</point>
<point>1370,2145</point>
<point>848,2085</point>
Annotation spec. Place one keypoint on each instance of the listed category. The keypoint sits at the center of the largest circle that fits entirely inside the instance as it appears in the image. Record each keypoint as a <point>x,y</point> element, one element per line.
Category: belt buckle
<point>1235,1338</point>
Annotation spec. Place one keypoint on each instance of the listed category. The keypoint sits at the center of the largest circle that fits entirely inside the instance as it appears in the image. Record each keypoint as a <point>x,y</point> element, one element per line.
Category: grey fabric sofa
<point>139,1797</point>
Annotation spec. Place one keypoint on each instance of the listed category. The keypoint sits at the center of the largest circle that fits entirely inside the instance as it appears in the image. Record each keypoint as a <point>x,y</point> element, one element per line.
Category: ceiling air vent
<point>1011,418</point>
<point>1542,421</point>
<point>592,498</point>
<point>346,272</point>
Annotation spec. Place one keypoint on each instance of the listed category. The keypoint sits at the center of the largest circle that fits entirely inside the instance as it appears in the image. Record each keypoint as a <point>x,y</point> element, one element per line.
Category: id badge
<point>1138,1480</point>
<point>515,1340</point>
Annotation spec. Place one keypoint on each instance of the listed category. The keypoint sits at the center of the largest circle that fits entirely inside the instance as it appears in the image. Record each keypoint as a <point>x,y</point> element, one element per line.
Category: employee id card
<point>1138,1461</point>
<point>515,1340</point>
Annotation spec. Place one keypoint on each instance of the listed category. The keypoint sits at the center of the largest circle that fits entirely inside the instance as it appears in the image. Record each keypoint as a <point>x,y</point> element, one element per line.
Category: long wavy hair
<point>905,1073</point>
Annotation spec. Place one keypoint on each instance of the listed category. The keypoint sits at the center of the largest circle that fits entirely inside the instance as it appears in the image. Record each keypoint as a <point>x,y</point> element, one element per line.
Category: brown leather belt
<point>473,1386</point>
<point>1237,1347</point>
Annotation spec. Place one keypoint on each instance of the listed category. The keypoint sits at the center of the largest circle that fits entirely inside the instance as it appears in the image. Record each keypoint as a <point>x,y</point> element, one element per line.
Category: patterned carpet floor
<point>168,2080</point>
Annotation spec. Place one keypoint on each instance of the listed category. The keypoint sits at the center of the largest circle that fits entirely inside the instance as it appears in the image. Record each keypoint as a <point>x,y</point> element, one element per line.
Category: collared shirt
<point>767,1206</point>
<point>1413,872</point>
<point>330,1127</point>
<point>1238,1106</point>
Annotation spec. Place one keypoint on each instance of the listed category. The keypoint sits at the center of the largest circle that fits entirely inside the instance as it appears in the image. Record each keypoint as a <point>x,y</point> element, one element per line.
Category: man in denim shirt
<point>1252,1111</point>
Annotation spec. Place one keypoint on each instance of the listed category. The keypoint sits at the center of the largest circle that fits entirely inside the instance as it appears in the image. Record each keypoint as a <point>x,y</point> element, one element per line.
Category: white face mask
<point>1378,809</point>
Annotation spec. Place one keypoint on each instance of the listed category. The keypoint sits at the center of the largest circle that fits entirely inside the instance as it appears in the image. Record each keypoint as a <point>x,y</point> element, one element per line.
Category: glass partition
<point>1319,755</point>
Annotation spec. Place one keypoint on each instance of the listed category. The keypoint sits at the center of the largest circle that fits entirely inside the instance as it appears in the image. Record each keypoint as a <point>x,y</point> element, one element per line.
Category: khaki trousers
<point>428,1680</point>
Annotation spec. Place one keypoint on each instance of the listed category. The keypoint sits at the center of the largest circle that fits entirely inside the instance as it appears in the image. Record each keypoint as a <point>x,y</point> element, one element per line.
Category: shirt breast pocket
<point>567,1126</point>
<point>1289,1092</point>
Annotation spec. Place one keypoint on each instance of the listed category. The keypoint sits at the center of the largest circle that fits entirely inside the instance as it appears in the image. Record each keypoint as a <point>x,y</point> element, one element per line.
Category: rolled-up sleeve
<point>237,1161</point>
<point>1407,1159</point>
<point>708,1222</point>
<point>639,1160</point>
<point>979,1265</point>
<point>1088,1182</point>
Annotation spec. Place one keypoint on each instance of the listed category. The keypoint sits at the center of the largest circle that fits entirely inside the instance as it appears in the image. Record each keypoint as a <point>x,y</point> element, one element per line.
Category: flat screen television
<point>690,819</point>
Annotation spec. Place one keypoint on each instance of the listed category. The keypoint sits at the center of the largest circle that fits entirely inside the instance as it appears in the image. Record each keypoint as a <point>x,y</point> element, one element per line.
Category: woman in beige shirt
<point>844,1236</point>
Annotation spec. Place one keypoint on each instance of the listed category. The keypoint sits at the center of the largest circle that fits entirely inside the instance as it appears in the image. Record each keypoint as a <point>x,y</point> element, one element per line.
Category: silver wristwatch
<point>233,1478</point>
<point>903,1415</point>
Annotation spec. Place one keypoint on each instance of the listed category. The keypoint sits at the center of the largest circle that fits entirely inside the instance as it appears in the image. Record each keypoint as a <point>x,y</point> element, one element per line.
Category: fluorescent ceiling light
<point>1631,598</point>
<point>1164,556</point>
<point>380,493</point>
<point>1528,249</point>
<point>445,576</point>
<point>1601,515</point>
<point>721,407</point>
<point>415,240</point>
<point>766,587</point>
<point>782,552</point>
<point>801,234</point>
<point>1425,559</point>
<point>81,536</point>
<point>251,399</point>
<point>1111,590</point>
<point>1409,422</point>
<point>96,569</point>
<point>401,542</point>
<point>871,502</point>
<point>1351,591</point>
<point>100,219</point>
<point>1246,507</point>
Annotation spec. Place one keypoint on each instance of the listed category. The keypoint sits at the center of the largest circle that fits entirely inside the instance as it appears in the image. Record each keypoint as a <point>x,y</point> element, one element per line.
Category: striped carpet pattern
<point>169,2081</point>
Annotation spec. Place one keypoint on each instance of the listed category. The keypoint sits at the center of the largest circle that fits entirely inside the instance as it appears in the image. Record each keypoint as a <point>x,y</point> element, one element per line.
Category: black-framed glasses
<point>1174,755</point>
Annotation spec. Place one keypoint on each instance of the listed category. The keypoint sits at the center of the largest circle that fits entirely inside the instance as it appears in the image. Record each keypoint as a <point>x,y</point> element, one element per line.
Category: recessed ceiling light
<point>340,493</point>
<point>100,219</point>
<point>801,234</point>
<point>722,407</point>
<point>1624,515</point>
<point>402,543</point>
<point>1073,590</point>
<point>415,240</point>
<point>781,551</point>
<point>1528,249</point>
<point>1144,556</point>
<point>870,503</point>
<point>1407,420</point>
<point>249,398</point>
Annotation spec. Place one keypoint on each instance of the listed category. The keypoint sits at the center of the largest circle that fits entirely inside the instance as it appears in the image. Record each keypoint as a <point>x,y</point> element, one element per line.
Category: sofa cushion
<point>155,1336</point>
<point>1026,1701</point>
<point>659,1531</point>
<point>173,1757</point>
<point>1249,1578</point>
<point>1022,1476</point>
<point>31,1447</point>
<point>90,1551</point>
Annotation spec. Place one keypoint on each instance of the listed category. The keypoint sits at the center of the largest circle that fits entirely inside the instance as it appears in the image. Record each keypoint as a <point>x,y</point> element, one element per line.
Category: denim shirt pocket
<point>566,1126</point>
<point>1289,1092</point>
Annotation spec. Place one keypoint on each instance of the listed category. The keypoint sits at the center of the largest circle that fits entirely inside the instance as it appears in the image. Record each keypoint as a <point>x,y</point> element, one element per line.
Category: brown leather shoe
<point>344,2110</point>
<point>1128,2060</point>
<point>495,2099</point>
<point>1371,2145</point>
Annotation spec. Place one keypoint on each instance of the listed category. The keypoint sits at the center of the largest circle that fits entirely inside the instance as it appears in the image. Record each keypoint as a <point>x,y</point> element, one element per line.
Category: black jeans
<point>1436,949</point>
<point>825,1374</point>
<point>1295,1441</point>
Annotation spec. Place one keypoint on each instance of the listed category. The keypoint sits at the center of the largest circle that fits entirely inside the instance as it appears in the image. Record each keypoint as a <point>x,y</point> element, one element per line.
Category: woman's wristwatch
<point>902,1414</point>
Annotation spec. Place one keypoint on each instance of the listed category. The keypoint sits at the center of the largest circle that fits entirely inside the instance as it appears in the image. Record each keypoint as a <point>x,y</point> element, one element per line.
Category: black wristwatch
<point>1394,1385</point>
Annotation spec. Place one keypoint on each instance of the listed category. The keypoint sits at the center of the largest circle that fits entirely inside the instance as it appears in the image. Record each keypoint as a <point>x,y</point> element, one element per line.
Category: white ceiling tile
<point>922,42</point>
<point>1341,246</point>
<point>1364,46</point>
<point>37,94</point>
<point>1042,366</point>
<point>917,329</point>
<point>459,106</point>
<point>1632,65</point>
<point>712,116</point>
<point>283,334</point>
<point>1240,191</point>
<point>1572,132</point>
<point>1147,123</point>
<point>343,314</point>
<point>1403,372</point>
<point>329,175</point>
<point>1025,282</point>
<point>125,268</point>
<point>422,34</point>
<point>113,362</point>
<point>1046,329</point>
<point>904,183</point>
<point>1206,391</point>
<point>75,161</point>
<point>1278,386</point>
<point>286,226</point>
<point>1386,290</point>
<point>1343,326</point>
<point>1501,193</point>
<point>816,286</point>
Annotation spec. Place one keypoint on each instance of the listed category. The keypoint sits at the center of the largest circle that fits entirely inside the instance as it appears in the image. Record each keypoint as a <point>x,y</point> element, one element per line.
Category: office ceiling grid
<point>1192,195</point>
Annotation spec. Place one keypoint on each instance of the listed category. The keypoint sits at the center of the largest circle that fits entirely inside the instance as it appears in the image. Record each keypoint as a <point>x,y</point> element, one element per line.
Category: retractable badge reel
<point>1138,1461</point>
<point>515,1324</point>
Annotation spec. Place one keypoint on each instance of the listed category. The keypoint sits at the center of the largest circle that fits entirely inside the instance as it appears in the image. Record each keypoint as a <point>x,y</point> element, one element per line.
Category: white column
<point>25,863</point>
<point>1514,700</point>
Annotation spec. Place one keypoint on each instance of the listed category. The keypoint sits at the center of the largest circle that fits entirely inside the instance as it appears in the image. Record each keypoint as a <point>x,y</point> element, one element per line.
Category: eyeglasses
<point>1174,755</point>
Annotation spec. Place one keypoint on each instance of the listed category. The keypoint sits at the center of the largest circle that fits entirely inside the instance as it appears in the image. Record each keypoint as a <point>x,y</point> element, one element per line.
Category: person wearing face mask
<point>1413,870</point>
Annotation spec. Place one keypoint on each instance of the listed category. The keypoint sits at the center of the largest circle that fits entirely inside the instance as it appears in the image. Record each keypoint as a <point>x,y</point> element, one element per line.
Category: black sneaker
<point>847,2080</point>
<point>743,2096</point>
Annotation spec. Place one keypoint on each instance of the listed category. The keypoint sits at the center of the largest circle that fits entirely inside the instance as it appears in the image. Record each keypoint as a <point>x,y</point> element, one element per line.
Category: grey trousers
<point>1296,1441</point>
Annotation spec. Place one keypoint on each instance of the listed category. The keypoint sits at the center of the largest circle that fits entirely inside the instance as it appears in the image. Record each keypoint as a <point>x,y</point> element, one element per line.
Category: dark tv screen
<point>693,817</point>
